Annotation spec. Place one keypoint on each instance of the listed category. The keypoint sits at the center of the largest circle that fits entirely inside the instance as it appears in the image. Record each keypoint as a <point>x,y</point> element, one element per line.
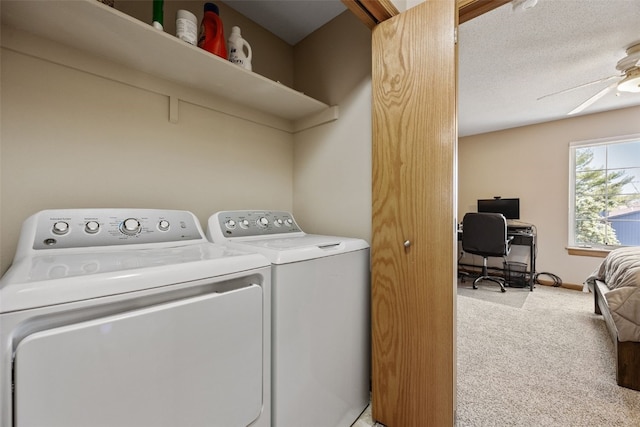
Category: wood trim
<point>361,13</point>
<point>469,9</point>
<point>373,12</point>
<point>596,253</point>
<point>380,9</point>
<point>571,286</point>
<point>465,3</point>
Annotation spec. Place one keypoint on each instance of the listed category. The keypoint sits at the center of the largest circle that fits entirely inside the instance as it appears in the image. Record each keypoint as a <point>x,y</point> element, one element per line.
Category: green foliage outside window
<point>597,192</point>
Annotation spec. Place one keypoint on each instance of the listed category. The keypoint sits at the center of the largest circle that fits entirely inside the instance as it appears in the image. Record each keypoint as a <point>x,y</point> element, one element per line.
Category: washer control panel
<point>255,223</point>
<point>77,228</point>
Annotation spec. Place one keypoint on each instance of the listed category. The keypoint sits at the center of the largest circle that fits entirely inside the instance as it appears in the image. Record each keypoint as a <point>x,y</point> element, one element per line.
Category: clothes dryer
<point>320,316</point>
<point>130,317</point>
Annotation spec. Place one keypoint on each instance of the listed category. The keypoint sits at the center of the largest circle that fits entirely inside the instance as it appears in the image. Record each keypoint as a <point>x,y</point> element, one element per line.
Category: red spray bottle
<point>211,32</point>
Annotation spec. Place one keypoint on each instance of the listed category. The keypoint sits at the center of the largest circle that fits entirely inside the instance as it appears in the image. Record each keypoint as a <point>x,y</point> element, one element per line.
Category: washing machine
<point>131,317</point>
<point>320,316</point>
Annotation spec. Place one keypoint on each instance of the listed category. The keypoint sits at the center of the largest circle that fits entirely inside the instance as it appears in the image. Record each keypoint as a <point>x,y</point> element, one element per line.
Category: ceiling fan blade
<point>580,86</point>
<point>593,99</point>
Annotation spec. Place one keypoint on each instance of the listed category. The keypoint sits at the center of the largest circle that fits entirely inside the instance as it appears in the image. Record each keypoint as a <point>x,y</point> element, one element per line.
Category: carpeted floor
<point>547,361</point>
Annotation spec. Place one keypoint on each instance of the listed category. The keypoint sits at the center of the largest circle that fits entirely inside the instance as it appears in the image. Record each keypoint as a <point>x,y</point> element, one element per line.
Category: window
<point>605,193</point>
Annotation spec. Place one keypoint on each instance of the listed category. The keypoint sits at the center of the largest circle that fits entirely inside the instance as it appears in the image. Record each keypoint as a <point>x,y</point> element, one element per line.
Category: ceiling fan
<point>627,81</point>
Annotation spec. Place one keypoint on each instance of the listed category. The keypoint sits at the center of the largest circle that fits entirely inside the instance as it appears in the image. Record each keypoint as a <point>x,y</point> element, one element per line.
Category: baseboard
<point>571,286</point>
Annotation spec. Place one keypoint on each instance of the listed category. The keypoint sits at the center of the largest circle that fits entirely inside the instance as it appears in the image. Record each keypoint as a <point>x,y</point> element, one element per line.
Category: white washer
<point>320,316</point>
<point>130,317</point>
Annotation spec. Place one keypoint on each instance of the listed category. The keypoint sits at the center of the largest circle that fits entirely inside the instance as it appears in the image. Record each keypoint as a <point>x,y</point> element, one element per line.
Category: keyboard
<point>517,227</point>
<point>515,224</point>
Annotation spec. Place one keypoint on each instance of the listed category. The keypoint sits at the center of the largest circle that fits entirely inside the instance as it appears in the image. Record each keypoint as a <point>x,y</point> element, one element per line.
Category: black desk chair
<point>485,234</point>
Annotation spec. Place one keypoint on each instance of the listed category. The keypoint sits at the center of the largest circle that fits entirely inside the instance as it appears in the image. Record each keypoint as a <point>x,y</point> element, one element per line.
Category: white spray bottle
<point>236,46</point>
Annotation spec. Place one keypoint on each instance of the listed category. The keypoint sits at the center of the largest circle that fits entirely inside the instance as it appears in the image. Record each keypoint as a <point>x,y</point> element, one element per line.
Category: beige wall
<point>532,163</point>
<point>73,139</point>
<point>79,132</point>
<point>332,163</point>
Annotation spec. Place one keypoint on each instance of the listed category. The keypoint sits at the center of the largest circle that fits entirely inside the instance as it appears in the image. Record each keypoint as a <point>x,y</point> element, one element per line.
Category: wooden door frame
<point>372,12</point>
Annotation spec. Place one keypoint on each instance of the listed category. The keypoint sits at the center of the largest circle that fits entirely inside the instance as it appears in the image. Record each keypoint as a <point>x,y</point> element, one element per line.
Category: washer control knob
<point>130,226</point>
<point>60,228</point>
<point>288,221</point>
<point>230,224</point>
<point>278,222</point>
<point>92,227</point>
<point>163,225</point>
<point>244,223</point>
<point>262,222</point>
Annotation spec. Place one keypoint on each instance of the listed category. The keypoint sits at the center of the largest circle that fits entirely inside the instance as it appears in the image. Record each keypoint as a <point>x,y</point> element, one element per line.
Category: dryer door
<point>191,362</point>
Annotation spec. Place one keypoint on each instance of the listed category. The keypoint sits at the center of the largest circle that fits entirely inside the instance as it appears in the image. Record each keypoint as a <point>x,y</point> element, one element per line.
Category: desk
<point>520,237</point>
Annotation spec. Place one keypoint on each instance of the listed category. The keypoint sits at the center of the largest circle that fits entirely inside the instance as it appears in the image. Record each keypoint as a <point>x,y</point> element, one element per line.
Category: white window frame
<point>572,179</point>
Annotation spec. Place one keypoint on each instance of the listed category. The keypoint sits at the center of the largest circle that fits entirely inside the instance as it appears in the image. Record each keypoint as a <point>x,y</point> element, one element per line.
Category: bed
<point>616,288</point>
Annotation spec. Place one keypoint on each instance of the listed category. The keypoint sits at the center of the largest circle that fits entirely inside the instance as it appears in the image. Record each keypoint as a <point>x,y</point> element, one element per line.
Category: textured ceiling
<point>507,59</point>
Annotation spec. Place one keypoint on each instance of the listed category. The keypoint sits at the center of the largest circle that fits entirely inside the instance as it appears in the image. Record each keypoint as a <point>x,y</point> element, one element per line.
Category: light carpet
<point>548,362</point>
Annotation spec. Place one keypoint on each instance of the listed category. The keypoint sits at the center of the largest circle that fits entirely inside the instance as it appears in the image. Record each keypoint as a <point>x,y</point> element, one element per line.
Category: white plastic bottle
<point>237,45</point>
<point>186,26</point>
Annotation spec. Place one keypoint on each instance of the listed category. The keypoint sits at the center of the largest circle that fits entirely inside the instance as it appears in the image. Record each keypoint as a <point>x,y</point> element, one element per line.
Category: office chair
<point>485,234</point>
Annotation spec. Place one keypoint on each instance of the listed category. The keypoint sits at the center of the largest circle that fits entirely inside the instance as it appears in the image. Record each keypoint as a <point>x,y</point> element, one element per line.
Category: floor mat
<point>489,291</point>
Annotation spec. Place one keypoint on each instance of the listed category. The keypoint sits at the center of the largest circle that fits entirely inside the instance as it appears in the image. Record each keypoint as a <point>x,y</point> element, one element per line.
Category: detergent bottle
<point>237,46</point>
<point>211,33</point>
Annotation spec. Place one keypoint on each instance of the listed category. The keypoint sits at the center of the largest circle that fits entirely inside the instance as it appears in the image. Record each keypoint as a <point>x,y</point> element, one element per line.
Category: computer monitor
<point>510,208</point>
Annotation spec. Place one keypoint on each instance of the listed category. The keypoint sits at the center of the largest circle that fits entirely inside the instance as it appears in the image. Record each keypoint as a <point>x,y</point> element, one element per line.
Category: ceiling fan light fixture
<point>631,83</point>
<point>522,5</point>
<point>631,60</point>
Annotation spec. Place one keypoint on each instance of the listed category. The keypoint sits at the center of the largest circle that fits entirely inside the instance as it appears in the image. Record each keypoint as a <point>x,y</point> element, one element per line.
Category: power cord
<point>557,281</point>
